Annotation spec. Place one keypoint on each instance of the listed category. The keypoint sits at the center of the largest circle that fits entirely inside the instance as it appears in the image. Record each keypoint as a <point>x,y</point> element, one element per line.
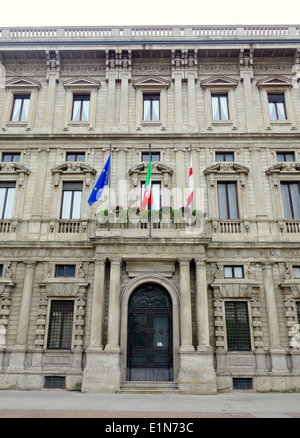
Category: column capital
<point>200,262</point>
<point>99,260</point>
<point>184,261</point>
<point>116,260</point>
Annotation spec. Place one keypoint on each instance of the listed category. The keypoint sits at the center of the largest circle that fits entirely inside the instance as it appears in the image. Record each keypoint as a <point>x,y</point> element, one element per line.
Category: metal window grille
<point>237,326</point>
<point>54,382</point>
<point>242,383</point>
<point>61,324</point>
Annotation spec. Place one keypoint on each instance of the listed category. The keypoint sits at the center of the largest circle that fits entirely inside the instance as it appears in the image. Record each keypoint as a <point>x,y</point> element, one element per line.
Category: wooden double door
<point>150,338</point>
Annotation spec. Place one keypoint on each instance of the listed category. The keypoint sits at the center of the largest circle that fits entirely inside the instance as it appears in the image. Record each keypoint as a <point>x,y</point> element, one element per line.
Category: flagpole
<point>151,195</point>
<point>108,216</point>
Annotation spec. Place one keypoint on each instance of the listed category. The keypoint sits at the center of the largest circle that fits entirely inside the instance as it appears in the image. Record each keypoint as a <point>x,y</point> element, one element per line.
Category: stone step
<point>139,387</point>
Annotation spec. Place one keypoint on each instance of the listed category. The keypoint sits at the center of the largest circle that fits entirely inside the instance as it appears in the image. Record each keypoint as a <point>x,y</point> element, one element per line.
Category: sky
<point>154,12</point>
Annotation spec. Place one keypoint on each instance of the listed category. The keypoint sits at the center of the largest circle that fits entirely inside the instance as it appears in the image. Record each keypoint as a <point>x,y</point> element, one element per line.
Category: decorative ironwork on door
<point>149,346</point>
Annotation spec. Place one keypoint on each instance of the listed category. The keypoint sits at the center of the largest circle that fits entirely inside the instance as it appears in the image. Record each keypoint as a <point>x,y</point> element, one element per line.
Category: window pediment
<point>274,82</point>
<point>82,82</point>
<point>156,167</point>
<point>21,83</point>
<point>151,82</point>
<point>73,168</point>
<point>226,168</point>
<point>289,167</point>
<point>12,168</point>
<point>219,81</point>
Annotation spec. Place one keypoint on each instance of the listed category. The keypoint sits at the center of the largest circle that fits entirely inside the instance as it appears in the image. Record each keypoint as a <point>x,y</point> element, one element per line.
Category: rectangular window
<point>291,199</point>
<point>233,272</point>
<point>285,156</point>
<point>71,201</point>
<point>224,156</point>
<point>220,106</point>
<point>228,206</point>
<point>81,107</point>
<point>156,196</point>
<point>237,326</point>
<point>61,324</point>
<point>296,271</point>
<point>1,270</point>
<point>11,157</point>
<point>298,311</point>
<point>75,156</point>
<point>65,271</point>
<point>20,108</point>
<point>151,107</point>
<point>277,107</point>
<point>7,194</point>
<point>155,156</point>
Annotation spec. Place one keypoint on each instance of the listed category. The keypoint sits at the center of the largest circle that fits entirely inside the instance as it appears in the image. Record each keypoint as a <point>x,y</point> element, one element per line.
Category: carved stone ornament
<point>226,168</point>
<point>73,167</point>
<point>289,167</point>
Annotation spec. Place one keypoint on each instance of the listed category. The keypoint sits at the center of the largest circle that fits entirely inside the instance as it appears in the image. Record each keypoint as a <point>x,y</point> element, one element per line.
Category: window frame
<point>237,330</point>
<point>20,118</point>
<point>229,213</point>
<point>275,102</point>
<point>61,326</point>
<point>285,153</point>
<point>7,185</point>
<point>153,154</point>
<point>66,269</point>
<point>219,105</point>
<point>63,199</point>
<point>81,98</point>
<point>289,199</point>
<point>147,97</point>
<point>224,156</point>
<point>76,155</point>
<point>233,269</point>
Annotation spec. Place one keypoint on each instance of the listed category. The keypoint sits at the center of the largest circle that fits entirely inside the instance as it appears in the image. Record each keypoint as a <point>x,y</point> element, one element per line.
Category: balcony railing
<point>133,33</point>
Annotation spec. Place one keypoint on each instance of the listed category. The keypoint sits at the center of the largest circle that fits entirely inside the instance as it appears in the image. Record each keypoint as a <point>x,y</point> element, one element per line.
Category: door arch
<point>150,334</point>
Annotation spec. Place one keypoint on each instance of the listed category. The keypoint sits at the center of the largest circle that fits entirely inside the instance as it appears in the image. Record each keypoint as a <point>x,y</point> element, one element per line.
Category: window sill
<point>151,123</point>
<point>15,125</point>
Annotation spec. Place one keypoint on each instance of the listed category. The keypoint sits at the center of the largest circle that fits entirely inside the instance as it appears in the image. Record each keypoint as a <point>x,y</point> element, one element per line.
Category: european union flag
<point>102,181</point>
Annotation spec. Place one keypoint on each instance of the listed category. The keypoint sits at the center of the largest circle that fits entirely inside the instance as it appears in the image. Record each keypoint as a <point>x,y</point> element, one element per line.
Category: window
<point>60,324</point>
<point>296,271</point>
<point>11,157</point>
<point>1,270</point>
<point>237,326</point>
<point>277,107</point>
<point>227,195</point>
<point>233,272</point>
<point>291,199</point>
<point>285,156</point>
<point>71,201</point>
<point>298,311</point>
<point>65,271</point>
<point>81,106</point>
<point>224,156</point>
<point>220,106</point>
<point>75,156</point>
<point>7,193</point>
<point>156,195</point>
<point>155,156</point>
<point>20,108</point>
<point>151,107</point>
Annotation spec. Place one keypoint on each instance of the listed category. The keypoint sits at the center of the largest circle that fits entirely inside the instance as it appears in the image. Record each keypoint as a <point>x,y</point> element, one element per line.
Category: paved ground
<point>65,404</point>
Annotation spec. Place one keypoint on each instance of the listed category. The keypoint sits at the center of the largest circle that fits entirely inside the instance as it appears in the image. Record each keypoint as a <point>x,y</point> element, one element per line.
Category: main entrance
<point>149,343</point>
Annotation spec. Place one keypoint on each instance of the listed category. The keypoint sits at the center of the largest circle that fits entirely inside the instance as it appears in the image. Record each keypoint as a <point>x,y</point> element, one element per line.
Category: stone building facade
<point>107,298</point>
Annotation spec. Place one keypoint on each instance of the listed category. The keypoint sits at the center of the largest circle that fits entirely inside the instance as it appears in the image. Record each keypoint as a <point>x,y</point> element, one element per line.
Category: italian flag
<point>147,193</point>
<point>191,185</point>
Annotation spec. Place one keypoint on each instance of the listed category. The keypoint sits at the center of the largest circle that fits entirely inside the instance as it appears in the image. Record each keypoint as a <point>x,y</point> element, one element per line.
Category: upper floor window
<point>65,271</point>
<point>156,195</point>
<point>1,270</point>
<point>224,156</point>
<point>296,271</point>
<point>151,107</point>
<point>228,204</point>
<point>75,156</point>
<point>155,156</point>
<point>220,106</point>
<point>291,199</point>
<point>7,193</point>
<point>81,106</point>
<point>285,156</point>
<point>20,108</point>
<point>237,326</point>
<point>61,324</point>
<point>277,107</point>
<point>11,157</point>
<point>71,201</point>
<point>233,272</point>
<point>298,311</point>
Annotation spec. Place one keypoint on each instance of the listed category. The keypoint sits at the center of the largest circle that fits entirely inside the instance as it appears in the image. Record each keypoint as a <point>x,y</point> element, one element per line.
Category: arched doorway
<point>150,338</point>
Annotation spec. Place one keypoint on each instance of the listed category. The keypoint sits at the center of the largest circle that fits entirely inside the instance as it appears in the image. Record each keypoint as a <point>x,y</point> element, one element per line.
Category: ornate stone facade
<point>222,278</point>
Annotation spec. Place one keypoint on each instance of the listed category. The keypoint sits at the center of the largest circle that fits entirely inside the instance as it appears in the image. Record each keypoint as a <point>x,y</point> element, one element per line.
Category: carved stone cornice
<point>226,168</point>
<point>289,167</point>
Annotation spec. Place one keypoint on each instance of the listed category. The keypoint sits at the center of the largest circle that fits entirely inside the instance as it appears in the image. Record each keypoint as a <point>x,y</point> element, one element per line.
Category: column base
<point>102,373</point>
<point>196,373</point>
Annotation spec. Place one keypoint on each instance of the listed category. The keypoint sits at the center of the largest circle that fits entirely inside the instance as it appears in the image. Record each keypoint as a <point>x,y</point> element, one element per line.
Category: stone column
<point>111,98</point>
<point>279,364</point>
<point>98,306</point>
<point>113,326</point>
<point>177,76</point>
<point>185,307</point>
<point>202,307</point>
<point>125,77</point>
<point>25,307</point>
<point>247,76</point>
<point>191,79</point>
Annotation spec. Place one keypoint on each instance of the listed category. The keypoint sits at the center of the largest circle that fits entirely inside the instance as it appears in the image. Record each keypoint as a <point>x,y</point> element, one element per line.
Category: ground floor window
<point>237,326</point>
<point>60,324</point>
